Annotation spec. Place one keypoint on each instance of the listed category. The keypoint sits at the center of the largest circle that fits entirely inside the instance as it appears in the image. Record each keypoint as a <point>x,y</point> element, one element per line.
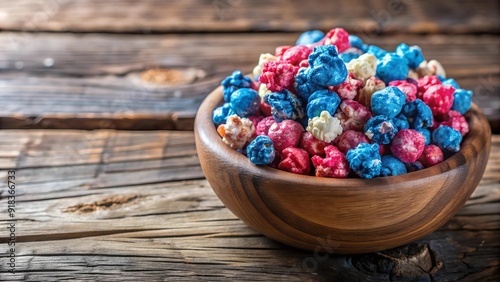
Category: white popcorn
<point>236,131</point>
<point>263,90</point>
<point>325,127</point>
<point>264,58</point>
<point>363,67</point>
<point>431,67</point>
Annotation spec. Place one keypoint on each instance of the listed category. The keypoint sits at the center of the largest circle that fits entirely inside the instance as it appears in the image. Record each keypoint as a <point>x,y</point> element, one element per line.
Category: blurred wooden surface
<point>107,204</point>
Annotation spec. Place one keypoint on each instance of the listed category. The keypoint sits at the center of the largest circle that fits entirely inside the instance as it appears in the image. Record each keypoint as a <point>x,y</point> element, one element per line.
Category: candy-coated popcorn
<point>439,98</point>
<point>304,86</point>
<point>388,101</point>
<point>462,100</point>
<point>363,67</point>
<point>371,86</point>
<point>356,42</point>
<point>220,114</point>
<point>245,102</point>
<point>334,164</point>
<point>312,145</point>
<point>339,38</point>
<point>264,58</point>
<point>265,109</point>
<point>284,105</point>
<point>236,132</point>
<point>450,81</point>
<point>376,51</point>
<point>408,145</point>
<point>262,128</point>
<point>350,139</point>
<point>280,50</point>
<point>296,54</point>
<point>432,155</point>
<point>278,75</point>
<point>261,151</point>
<point>310,37</point>
<point>426,133</point>
<point>447,138</point>
<point>412,54</point>
<point>408,88</point>
<point>353,115</point>
<point>263,90</point>
<point>326,68</point>
<point>456,121</point>
<point>392,67</point>
<point>419,115</point>
<point>401,122</point>
<point>234,82</point>
<point>295,160</point>
<point>322,100</point>
<point>348,56</point>
<point>414,166</point>
<point>412,74</point>
<point>425,82</point>
<point>380,129</point>
<point>391,166</point>
<point>285,134</point>
<point>365,160</point>
<point>325,127</point>
<point>432,67</point>
<point>348,89</point>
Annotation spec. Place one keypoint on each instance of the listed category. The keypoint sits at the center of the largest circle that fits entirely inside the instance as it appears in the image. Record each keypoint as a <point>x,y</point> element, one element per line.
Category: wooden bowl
<point>344,216</point>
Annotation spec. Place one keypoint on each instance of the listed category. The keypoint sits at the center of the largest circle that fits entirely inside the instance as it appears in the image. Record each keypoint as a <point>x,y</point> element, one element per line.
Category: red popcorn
<point>408,88</point>
<point>255,120</point>
<point>333,165</point>
<point>285,134</point>
<point>431,155</point>
<point>350,139</point>
<point>439,98</point>
<point>304,64</point>
<point>278,75</point>
<point>295,160</point>
<point>338,37</point>
<point>280,50</point>
<point>408,145</point>
<point>456,121</point>
<point>348,89</point>
<point>263,126</point>
<point>352,115</point>
<point>425,82</point>
<point>265,108</point>
<point>312,145</point>
<point>296,54</point>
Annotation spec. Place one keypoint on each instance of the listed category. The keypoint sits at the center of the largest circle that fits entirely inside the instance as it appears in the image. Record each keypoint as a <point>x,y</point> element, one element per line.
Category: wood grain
<point>179,230</point>
<point>101,84</point>
<point>148,16</point>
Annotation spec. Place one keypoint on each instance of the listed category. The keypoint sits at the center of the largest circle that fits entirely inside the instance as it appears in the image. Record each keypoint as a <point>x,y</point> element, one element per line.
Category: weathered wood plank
<point>110,81</point>
<point>387,16</point>
<point>179,230</point>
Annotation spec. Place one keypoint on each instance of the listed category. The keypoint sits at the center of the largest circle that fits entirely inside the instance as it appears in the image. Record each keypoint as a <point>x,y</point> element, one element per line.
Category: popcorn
<point>278,75</point>
<point>462,100</point>
<point>388,101</point>
<point>245,102</point>
<point>310,37</point>
<point>432,155</point>
<point>439,98</point>
<point>221,113</point>
<point>333,165</point>
<point>419,115</point>
<point>233,83</point>
<point>296,54</point>
<point>350,139</point>
<point>326,68</point>
<point>348,89</point>
<point>412,54</point>
<point>338,37</point>
<point>356,42</point>
<point>322,100</point>
<point>408,88</point>
<point>432,67</point>
<point>312,145</point>
<point>380,129</point>
<point>284,105</point>
<point>392,67</point>
<point>408,145</point>
<point>264,58</point>
<point>295,160</point>
<point>304,86</point>
<point>263,126</point>
<point>391,166</point>
<point>447,138</point>
<point>365,160</point>
<point>236,132</point>
<point>456,121</point>
<point>371,86</point>
<point>363,67</point>
<point>353,115</point>
<point>261,151</point>
<point>325,127</point>
<point>285,134</point>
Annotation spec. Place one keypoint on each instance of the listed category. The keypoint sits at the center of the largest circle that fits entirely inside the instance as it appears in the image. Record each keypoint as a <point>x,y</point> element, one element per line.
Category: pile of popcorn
<point>333,106</point>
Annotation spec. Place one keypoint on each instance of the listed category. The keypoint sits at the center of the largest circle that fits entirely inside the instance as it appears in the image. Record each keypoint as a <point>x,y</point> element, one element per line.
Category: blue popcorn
<point>447,138</point>
<point>221,113</point>
<point>376,51</point>
<point>380,129</point>
<point>462,100</point>
<point>304,86</point>
<point>261,150</point>
<point>284,105</point>
<point>388,101</point>
<point>322,100</point>
<point>245,102</point>
<point>347,57</point>
<point>365,160</point>
<point>401,122</point>
<point>418,113</point>
<point>392,67</point>
<point>356,42</point>
<point>310,37</point>
<point>450,81</point>
<point>415,166</point>
<point>412,54</point>
<point>426,133</point>
<point>391,166</point>
<point>325,67</point>
<point>234,82</point>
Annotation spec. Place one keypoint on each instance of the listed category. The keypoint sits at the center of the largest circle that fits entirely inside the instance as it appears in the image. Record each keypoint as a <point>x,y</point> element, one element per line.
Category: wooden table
<point>98,101</point>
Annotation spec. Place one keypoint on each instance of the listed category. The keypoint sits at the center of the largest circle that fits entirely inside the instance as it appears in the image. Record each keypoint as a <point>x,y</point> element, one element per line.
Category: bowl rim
<point>205,129</point>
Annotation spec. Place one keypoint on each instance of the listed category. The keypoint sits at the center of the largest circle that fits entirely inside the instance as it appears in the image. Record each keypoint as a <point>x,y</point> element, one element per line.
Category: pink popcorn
<point>255,120</point>
<point>348,89</point>
<point>425,82</point>
<point>439,98</point>
<point>280,50</point>
<point>352,115</point>
<point>278,75</point>
<point>312,145</point>
<point>295,160</point>
<point>236,132</point>
<point>333,165</point>
<point>338,37</point>
<point>350,139</point>
<point>285,134</point>
<point>371,86</point>
<point>408,145</point>
<point>296,54</point>
<point>409,89</point>
<point>265,108</point>
<point>263,126</point>
<point>431,155</point>
<point>456,121</point>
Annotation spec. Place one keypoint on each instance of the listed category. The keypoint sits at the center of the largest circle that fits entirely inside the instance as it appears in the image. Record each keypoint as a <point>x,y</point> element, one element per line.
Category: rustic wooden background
<point>99,198</point>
